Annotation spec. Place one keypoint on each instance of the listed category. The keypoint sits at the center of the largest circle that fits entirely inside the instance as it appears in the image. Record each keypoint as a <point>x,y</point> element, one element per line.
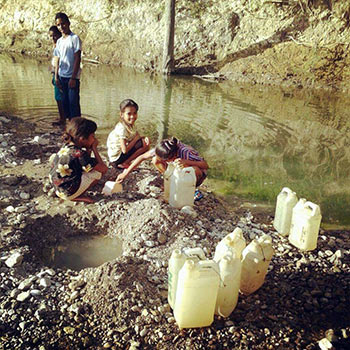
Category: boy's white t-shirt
<point>120,132</point>
<point>65,50</point>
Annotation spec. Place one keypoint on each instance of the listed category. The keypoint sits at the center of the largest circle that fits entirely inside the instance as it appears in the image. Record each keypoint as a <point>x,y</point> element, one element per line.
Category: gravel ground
<point>122,304</point>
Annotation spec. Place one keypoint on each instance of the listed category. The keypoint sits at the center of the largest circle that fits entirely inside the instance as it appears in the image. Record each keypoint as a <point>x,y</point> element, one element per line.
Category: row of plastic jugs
<point>199,288</point>
<point>179,185</point>
<point>299,219</point>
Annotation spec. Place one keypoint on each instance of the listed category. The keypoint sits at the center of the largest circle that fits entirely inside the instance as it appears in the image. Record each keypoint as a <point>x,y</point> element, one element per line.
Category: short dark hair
<point>62,15</point>
<point>55,30</point>
<point>167,149</point>
<point>79,127</point>
<point>128,103</point>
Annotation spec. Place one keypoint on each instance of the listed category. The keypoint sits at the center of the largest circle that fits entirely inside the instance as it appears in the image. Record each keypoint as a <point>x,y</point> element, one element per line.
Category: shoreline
<point>122,303</point>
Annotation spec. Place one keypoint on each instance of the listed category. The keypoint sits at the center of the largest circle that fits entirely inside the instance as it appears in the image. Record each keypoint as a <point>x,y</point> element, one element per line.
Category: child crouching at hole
<point>73,169</point>
<point>172,150</point>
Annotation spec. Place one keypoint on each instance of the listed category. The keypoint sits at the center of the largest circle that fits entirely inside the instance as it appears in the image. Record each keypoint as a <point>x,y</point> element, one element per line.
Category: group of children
<point>74,170</point>
<point>78,165</point>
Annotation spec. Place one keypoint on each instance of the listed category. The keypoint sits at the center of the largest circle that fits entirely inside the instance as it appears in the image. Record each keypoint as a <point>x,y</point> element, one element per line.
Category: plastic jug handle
<point>287,190</point>
<point>314,207</point>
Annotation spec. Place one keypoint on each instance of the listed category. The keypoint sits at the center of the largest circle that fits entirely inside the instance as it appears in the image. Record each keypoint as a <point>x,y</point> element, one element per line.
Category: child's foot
<point>84,199</point>
<point>198,195</point>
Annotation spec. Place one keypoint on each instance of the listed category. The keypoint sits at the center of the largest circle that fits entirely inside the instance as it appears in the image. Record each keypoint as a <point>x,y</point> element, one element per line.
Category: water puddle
<point>81,252</point>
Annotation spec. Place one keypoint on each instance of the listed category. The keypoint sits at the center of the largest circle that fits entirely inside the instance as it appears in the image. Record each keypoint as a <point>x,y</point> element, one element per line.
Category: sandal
<point>198,195</point>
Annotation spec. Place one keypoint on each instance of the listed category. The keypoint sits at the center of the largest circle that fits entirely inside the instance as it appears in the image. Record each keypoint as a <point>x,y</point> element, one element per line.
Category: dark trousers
<point>70,98</point>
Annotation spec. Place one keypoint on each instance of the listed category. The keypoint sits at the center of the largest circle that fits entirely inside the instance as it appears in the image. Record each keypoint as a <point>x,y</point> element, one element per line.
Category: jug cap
<point>189,265</point>
<point>176,253</point>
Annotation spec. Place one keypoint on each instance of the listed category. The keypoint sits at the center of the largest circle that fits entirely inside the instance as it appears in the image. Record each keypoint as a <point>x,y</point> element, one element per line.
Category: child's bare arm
<point>100,166</point>
<point>202,164</point>
<point>57,80</point>
<point>134,164</point>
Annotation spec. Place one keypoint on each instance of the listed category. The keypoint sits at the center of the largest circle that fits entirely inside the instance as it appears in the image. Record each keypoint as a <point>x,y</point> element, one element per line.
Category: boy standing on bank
<point>67,75</point>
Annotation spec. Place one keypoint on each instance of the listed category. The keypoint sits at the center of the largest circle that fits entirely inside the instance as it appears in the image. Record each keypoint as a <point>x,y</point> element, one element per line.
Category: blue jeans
<point>70,98</point>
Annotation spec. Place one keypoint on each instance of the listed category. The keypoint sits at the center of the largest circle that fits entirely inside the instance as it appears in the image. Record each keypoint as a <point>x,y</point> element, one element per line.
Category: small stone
<point>45,282</point>
<point>14,260</point>
<point>21,209</point>
<point>24,195</point>
<point>162,238</point>
<point>339,254</point>
<point>22,325</point>
<point>26,284</point>
<point>189,211</point>
<point>143,332</point>
<point>35,292</point>
<point>10,209</point>
<point>325,344</point>
<point>23,296</point>
<point>69,330</point>
<point>330,335</point>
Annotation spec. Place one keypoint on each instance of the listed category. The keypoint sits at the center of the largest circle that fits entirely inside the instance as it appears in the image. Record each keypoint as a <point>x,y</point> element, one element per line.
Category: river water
<point>256,140</point>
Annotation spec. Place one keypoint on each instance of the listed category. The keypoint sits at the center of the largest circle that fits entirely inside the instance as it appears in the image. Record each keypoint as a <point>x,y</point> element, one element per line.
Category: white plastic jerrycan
<point>196,294</point>
<point>182,187</point>
<point>234,241</point>
<point>176,262</point>
<point>230,278</point>
<point>286,201</point>
<point>166,176</point>
<point>255,261</point>
<point>305,225</point>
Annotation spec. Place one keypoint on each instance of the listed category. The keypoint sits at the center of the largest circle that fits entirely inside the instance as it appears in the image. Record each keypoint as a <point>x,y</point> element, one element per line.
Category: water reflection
<point>256,140</point>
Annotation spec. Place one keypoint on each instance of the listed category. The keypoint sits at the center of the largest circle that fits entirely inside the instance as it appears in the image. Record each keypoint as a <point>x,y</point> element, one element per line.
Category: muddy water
<point>81,252</point>
<point>256,140</point>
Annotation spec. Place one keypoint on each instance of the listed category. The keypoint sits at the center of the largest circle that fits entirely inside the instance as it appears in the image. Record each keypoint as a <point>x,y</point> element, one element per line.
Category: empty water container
<point>305,225</point>
<point>255,261</point>
<point>234,241</point>
<point>182,187</point>
<point>286,201</point>
<point>196,294</point>
<point>176,262</point>
<point>230,277</point>
<point>166,176</point>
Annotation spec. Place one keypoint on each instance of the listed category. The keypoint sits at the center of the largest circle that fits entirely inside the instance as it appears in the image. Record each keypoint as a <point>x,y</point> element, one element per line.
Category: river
<point>256,139</point>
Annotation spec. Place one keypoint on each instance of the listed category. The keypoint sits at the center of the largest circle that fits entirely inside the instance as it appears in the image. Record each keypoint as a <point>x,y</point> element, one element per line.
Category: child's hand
<point>95,143</point>
<point>120,178</point>
<point>180,163</point>
<point>72,83</point>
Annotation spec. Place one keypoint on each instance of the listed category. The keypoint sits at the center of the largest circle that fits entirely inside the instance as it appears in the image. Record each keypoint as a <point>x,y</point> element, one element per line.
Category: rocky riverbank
<point>300,43</point>
<point>122,304</point>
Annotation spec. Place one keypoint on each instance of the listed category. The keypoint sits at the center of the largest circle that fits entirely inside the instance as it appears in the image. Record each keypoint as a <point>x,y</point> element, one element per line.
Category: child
<point>55,34</point>
<point>124,143</point>
<point>73,170</point>
<point>68,49</point>
<point>172,150</point>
